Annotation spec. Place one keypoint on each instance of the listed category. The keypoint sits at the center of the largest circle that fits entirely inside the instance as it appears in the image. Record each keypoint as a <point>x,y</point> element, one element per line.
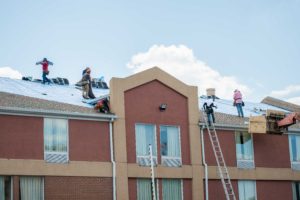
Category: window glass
<point>5,188</point>
<point>169,141</point>
<point>172,189</point>
<point>144,189</point>
<point>294,143</point>
<point>145,135</point>
<point>244,146</point>
<point>296,191</point>
<point>31,187</point>
<point>247,190</point>
<point>55,135</point>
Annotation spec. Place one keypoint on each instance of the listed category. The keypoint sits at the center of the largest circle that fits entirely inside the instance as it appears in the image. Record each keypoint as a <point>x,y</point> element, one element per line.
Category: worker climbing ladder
<point>222,169</point>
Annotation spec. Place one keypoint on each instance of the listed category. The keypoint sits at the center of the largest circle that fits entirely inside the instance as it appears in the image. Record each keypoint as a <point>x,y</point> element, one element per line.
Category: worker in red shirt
<point>45,63</point>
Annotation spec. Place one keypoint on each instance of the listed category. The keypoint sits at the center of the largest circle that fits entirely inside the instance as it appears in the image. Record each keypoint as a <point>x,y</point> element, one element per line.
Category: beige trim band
<point>41,168</point>
<point>258,173</point>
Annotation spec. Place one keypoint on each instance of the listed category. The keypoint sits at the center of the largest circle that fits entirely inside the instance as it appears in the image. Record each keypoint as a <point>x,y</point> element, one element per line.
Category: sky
<point>252,46</point>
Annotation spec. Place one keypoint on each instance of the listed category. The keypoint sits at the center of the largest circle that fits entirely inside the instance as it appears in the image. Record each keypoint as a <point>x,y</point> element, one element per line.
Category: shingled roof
<point>20,95</point>
<point>8,100</point>
<point>281,104</point>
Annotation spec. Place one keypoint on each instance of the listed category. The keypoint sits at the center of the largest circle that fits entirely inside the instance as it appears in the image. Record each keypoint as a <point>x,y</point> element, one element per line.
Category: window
<point>144,189</point>
<point>56,140</point>
<point>5,188</point>
<point>170,146</point>
<point>244,150</point>
<point>296,191</point>
<point>31,187</point>
<point>247,190</point>
<point>172,189</point>
<point>294,144</point>
<point>144,136</point>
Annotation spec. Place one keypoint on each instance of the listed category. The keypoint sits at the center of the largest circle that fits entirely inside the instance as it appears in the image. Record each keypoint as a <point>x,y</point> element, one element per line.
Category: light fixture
<point>163,107</point>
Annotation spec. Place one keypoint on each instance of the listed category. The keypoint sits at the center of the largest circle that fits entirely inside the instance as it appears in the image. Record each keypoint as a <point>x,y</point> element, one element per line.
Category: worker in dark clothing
<point>45,63</point>
<point>87,88</point>
<point>208,108</point>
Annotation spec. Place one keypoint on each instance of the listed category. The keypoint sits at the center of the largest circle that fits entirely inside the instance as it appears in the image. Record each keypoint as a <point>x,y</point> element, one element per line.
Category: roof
<point>226,113</point>
<point>281,104</point>
<point>16,93</point>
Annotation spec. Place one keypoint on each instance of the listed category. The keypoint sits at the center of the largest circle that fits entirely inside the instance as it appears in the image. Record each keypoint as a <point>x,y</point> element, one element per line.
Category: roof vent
<point>211,92</point>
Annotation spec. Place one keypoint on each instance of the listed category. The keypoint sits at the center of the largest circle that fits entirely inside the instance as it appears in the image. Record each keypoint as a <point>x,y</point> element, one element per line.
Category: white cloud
<point>181,63</point>
<point>10,73</point>
<point>290,93</point>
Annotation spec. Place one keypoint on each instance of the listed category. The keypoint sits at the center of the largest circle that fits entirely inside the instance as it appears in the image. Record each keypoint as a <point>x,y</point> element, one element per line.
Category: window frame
<point>67,141</point>
<point>181,185</point>
<point>255,190</point>
<point>294,185</point>
<point>295,165</point>
<point>155,142</point>
<point>179,142</point>
<point>157,186</point>
<point>43,184</point>
<point>244,163</point>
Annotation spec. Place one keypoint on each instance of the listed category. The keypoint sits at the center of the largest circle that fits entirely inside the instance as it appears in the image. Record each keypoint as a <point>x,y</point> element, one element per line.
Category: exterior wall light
<point>163,107</point>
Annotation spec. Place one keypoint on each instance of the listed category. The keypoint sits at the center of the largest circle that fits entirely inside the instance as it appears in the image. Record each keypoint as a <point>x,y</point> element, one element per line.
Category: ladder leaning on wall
<point>222,168</point>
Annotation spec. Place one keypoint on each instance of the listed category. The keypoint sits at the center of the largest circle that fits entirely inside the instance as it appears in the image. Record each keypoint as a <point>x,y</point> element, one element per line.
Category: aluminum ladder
<point>152,174</point>
<point>222,169</point>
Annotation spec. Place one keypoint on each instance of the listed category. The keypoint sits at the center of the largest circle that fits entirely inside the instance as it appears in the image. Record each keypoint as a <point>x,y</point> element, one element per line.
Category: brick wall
<point>142,106</point>
<point>78,188</point>
<point>21,137</point>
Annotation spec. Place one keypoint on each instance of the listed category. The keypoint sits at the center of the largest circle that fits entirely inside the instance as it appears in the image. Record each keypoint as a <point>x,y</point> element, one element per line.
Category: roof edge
<point>58,114</point>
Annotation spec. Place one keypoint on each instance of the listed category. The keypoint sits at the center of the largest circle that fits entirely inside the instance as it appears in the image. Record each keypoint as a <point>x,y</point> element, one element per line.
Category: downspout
<point>112,158</point>
<point>204,162</point>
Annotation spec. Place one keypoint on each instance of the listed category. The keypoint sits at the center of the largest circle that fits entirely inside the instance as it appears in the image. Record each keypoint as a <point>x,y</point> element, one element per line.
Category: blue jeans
<point>210,118</point>
<point>45,79</point>
<point>239,108</point>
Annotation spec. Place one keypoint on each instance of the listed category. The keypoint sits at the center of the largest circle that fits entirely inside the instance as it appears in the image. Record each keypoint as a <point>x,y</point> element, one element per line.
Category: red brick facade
<point>79,188</point>
<point>89,141</point>
<point>227,142</point>
<point>271,151</point>
<point>142,106</point>
<point>21,137</point>
<point>275,190</point>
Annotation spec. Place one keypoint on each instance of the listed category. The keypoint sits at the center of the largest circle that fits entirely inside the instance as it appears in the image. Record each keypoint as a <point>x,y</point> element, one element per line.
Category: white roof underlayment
<point>250,108</point>
<point>60,93</point>
<point>71,95</point>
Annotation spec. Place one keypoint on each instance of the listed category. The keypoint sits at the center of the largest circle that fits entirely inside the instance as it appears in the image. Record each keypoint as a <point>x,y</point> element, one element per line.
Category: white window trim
<point>11,188</point>
<point>57,153</point>
<point>293,163</point>
<point>155,141</point>
<point>182,195</point>
<point>179,137</point>
<point>253,160</point>
<point>181,185</point>
<point>254,187</point>
<point>157,186</point>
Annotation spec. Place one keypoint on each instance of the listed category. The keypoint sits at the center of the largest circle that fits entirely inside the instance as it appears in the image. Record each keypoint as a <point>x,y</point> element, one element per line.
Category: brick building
<point>53,146</point>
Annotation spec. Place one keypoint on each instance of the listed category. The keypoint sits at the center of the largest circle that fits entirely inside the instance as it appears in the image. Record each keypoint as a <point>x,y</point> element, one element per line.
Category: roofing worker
<point>208,108</point>
<point>87,91</point>
<point>45,63</point>
<point>238,102</point>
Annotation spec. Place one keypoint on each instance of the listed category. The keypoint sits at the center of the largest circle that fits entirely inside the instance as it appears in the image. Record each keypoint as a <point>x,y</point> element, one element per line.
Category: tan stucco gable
<point>118,87</point>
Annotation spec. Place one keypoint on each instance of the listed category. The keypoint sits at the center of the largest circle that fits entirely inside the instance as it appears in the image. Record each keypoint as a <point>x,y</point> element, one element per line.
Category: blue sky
<point>251,45</point>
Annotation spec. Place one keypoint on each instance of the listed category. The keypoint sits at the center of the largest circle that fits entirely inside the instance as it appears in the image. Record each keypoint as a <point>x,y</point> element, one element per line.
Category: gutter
<point>56,114</point>
<point>112,158</point>
<point>204,162</point>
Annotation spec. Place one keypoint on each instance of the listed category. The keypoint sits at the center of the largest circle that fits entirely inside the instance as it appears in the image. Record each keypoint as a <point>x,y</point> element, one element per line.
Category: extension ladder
<point>222,169</point>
